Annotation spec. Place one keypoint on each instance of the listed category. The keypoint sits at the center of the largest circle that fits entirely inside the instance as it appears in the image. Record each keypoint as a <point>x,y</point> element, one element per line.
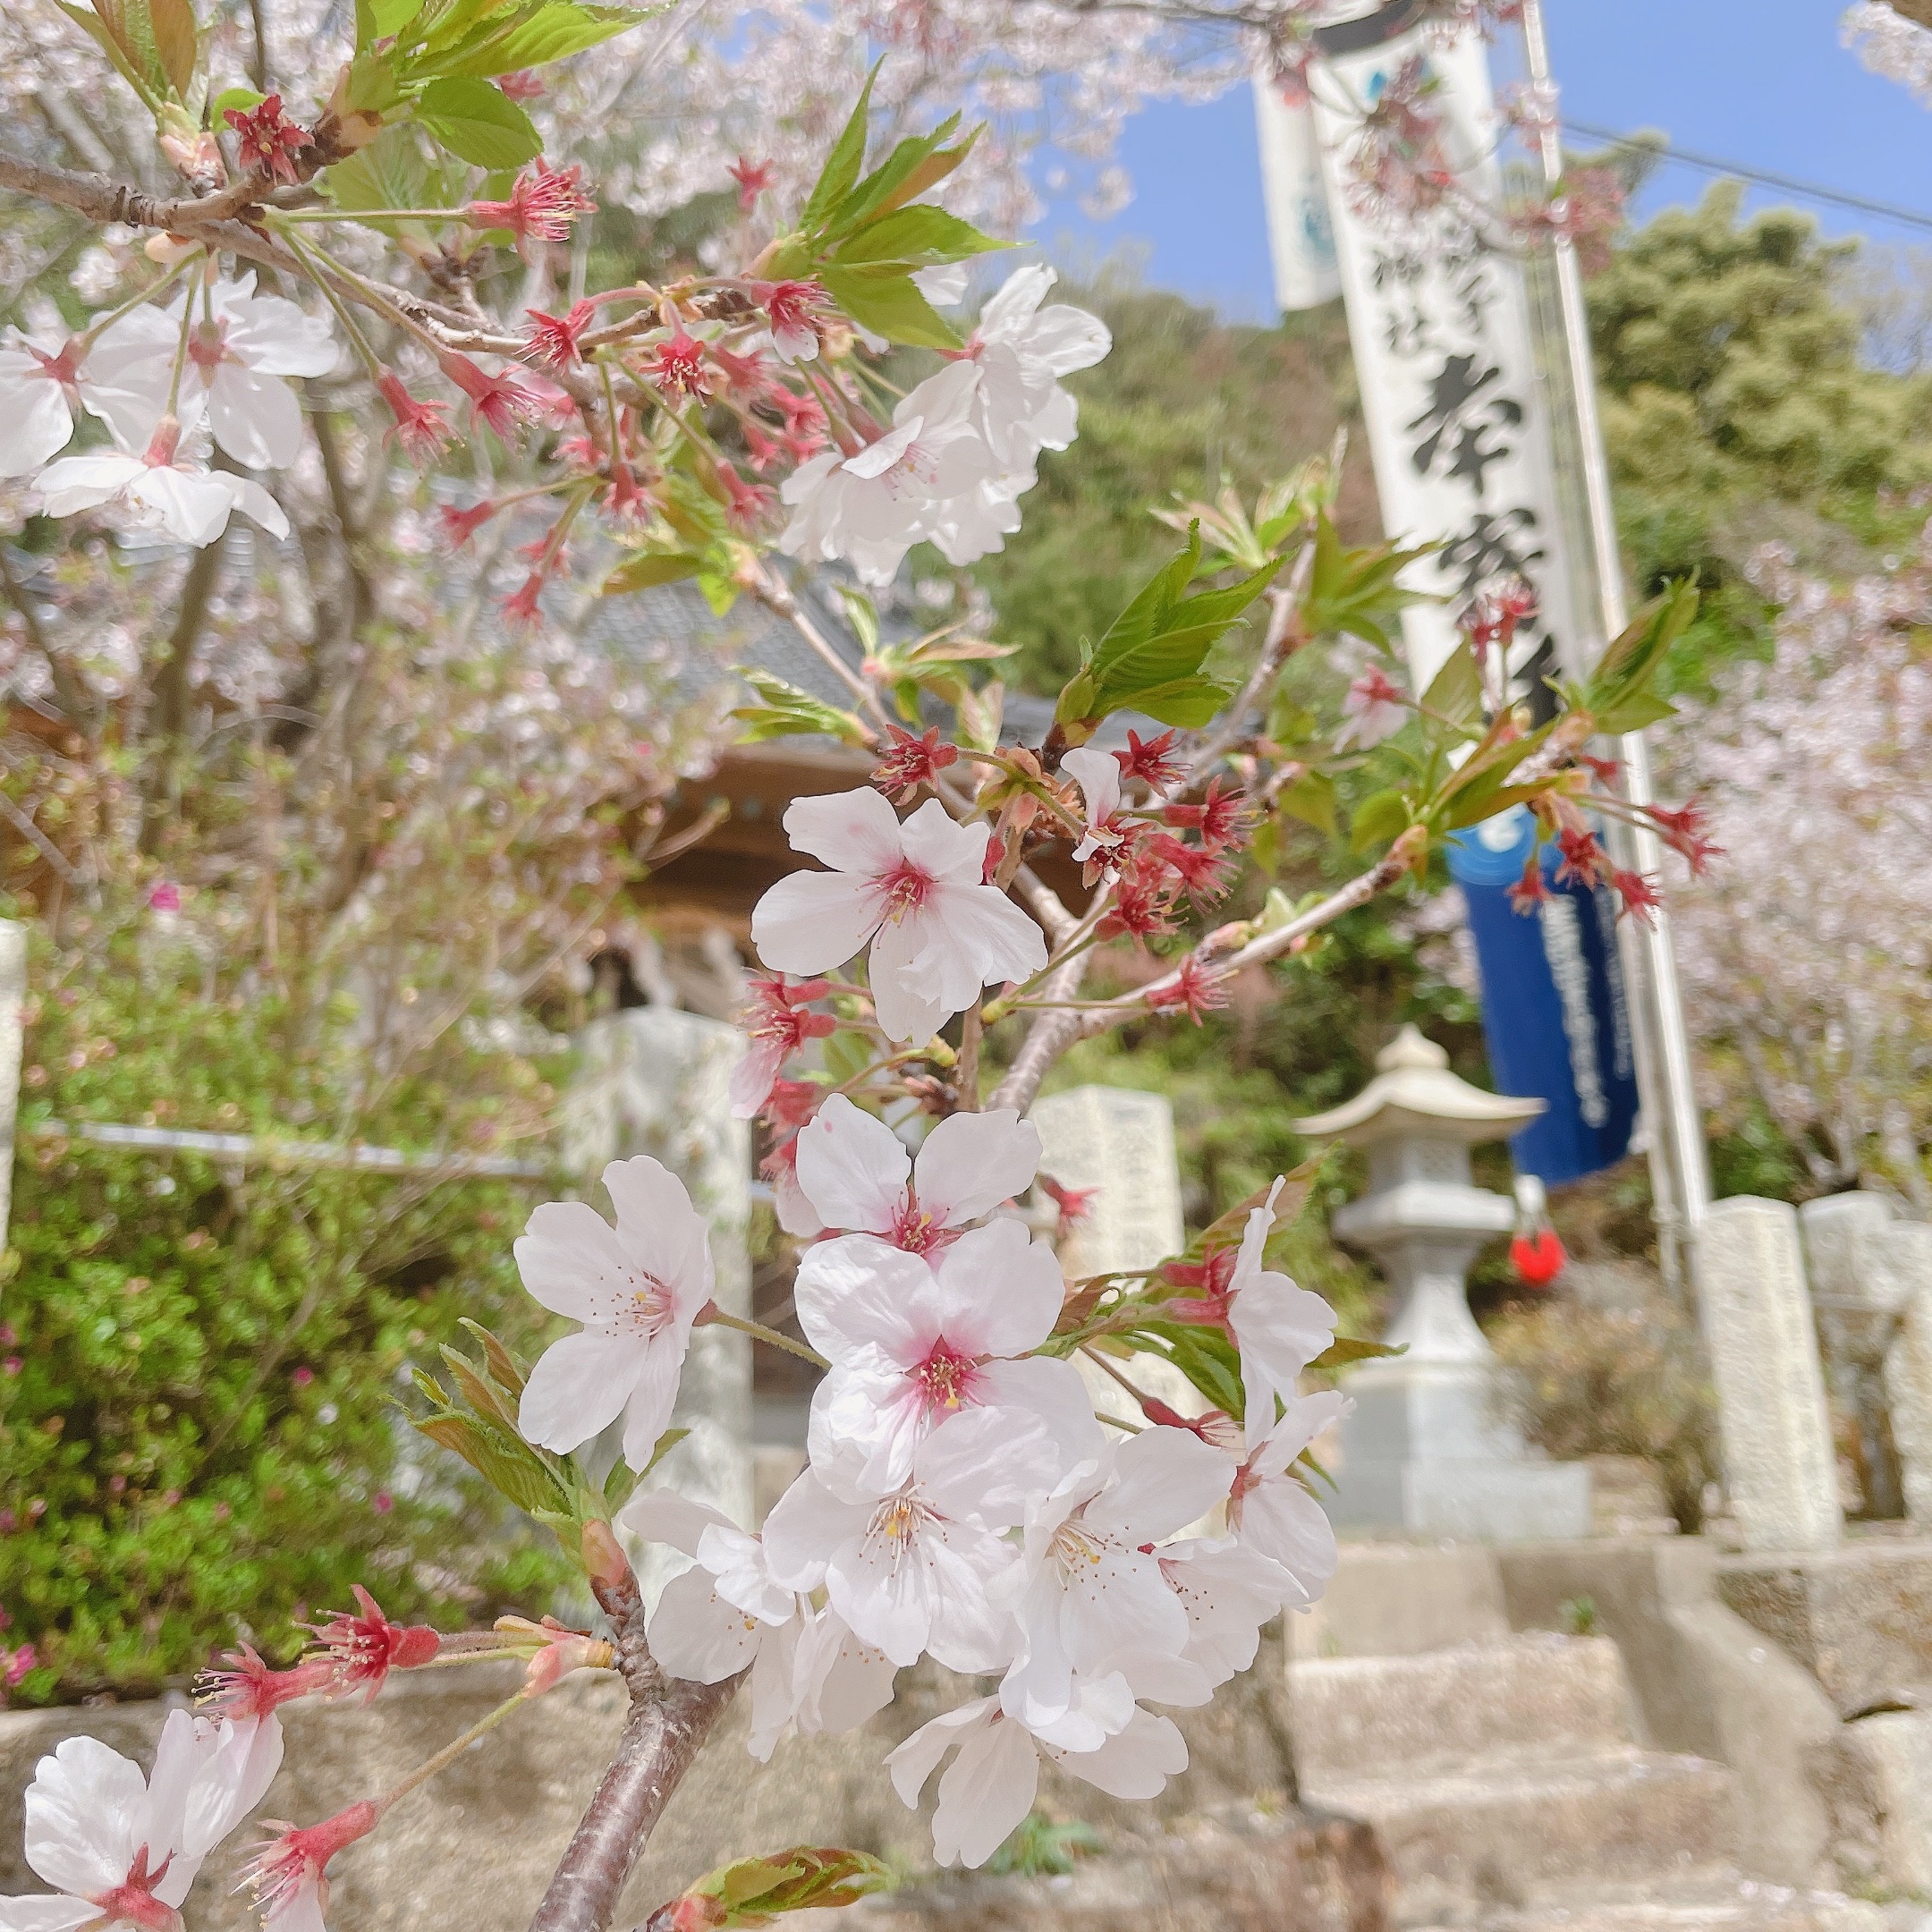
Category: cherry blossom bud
<point>1195,991</point>
<point>569,1650</point>
<point>1530,891</point>
<point>1075,1203</point>
<point>604,1560</point>
<point>241,1685</point>
<point>459,526</point>
<point>1584,860</point>
<point>1639,895</point>
<point>1146,760</point>
<point>677,368</point>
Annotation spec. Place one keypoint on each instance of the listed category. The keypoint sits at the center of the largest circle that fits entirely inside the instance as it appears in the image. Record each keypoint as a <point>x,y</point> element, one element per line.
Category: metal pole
<point>1676,1123</point>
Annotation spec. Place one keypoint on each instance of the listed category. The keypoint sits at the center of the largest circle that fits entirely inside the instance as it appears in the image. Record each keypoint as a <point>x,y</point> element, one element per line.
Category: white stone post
<point>12,998</point>
<point>1907,1368</point>
<point>653,1079</point>
<point>1859,1297</point>
<point>1779,1465</point>
<point>1120,1143</point>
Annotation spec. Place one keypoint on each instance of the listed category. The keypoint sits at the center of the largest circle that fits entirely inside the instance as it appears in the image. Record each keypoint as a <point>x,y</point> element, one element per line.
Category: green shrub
<point>199,1438</point>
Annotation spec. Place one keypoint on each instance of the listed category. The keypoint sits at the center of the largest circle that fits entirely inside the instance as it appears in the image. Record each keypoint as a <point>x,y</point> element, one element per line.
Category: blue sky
<point>1762,82</point>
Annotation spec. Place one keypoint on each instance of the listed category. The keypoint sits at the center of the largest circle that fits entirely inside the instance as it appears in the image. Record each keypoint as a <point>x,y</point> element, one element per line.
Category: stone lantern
<point>1428,1450</point>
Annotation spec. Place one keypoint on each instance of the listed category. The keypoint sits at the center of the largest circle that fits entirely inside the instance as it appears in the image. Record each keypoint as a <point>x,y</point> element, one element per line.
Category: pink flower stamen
<point>946,1378</point>
<point>904,889</point>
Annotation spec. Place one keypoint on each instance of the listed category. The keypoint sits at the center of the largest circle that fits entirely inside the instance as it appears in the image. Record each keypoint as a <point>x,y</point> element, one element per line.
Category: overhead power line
<point>1763,177</point>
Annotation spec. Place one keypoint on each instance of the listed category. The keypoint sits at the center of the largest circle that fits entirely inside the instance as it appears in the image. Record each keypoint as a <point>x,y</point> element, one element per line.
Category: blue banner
<point>1555,1018</point>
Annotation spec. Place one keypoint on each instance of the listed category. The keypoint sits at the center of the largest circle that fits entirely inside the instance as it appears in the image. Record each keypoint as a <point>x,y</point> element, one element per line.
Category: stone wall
<point>472,1851</point>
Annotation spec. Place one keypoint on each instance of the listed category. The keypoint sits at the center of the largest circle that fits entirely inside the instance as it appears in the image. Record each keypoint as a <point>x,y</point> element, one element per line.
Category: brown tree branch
<point>662,1737</point>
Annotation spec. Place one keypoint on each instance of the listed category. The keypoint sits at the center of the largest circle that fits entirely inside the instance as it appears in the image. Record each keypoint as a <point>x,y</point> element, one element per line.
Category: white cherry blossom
<point>1229,1590</point>
<point>37,383</point>
<point>858,1177</point>
<point>726,1614</point>
<point>1271,1510</point>
<point>1278,1327</point>
<point>1091,1590</point>
<point>161,490</point>
<point>914,890</point>
<point>871,506</point>
<point>914,1341</point>
<point>122,1850</point>
<point>990,1785</point>
<point>975,524</point>
<point>1098,773</point>
<point>240,346</point>
<point>1020,352</point>
<point>914,1570</point>
<point>637,1289</point>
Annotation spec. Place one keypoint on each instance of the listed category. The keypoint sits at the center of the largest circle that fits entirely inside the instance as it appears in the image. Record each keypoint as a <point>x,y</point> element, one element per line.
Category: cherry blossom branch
<point>669,1721</point>
<point>775,593</point>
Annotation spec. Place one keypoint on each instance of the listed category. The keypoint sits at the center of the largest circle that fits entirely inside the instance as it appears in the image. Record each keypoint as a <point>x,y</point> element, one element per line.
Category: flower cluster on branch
<point>965,1499</point>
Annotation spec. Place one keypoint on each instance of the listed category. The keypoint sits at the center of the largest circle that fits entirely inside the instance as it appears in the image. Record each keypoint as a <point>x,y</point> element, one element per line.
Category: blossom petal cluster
<point>910,890</point>
<point>961,1500</point>
<point>214,367</point>
<point>962,445</point>
<point>119,1849</point>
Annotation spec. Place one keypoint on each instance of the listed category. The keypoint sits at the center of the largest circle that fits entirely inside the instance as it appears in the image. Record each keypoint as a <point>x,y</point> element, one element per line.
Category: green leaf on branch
<point>241,99</point>
<point>1455,693</point>
<point>884,297</point>
<point>177,43</point>
<point>1633,658</point>
<point>1381,816</point>
<point>1346,1349</point>
<point>392,171</point>
<point>386,18</point>
<point>124,30</point>
<point>478,122</point>
<point>785,711</point>
<point>840,174</point>
<point>649,568</point>
<point>1355,591</point>
<point>1151,655</point>
<point>1204,1356</point>
<point>920,237</point>
<point>529,37</point>
<point>1311,799</point>
<point>751,1892</point>
<point>1633,713</point>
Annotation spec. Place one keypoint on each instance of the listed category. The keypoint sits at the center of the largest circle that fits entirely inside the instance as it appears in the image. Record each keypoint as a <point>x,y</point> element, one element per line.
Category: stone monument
<point>1120,1143</point>
<point>1871,1288</point>
<point>1780,1467</point>
<point>1428,1449</point>
<point>654,1079</point>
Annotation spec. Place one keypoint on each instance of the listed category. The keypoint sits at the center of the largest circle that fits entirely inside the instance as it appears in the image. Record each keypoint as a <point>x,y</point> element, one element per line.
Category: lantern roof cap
<point>1415,1095</point>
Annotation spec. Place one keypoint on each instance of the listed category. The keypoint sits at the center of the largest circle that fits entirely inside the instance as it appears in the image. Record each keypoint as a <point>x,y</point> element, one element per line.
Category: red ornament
<point>1537,1259</point>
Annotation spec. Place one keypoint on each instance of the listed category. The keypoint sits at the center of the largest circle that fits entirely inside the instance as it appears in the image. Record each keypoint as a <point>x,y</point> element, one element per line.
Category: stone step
<point>1500,1830</point>
<point>1372,1716</point>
